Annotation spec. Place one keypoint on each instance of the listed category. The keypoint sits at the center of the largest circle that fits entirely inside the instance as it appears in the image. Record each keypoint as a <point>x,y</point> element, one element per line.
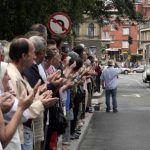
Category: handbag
<point>57,120</point>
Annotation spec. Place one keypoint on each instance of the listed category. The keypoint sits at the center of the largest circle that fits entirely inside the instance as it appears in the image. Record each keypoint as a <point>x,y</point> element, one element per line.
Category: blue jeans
<point>112,93</point>
<point>28,139</point>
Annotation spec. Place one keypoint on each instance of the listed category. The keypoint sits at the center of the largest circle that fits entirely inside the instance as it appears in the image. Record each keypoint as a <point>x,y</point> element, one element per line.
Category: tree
<point>18,15</point>
<point>102,11</point>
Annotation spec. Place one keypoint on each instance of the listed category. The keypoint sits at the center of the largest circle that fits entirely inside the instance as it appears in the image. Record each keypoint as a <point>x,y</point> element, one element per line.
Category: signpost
<point>59,23</point>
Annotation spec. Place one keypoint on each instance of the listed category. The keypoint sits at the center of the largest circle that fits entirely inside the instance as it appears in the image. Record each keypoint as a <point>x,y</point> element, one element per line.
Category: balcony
<point>146,5</point>
<point>85,36</point>
<point>145,29</point>
<point>106,39</point>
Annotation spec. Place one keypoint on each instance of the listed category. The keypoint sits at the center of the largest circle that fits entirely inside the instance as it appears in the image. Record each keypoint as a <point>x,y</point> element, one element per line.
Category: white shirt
<point>109,76</point>
<point>1,146</point>
<point>42,72</point>
<point>9,115</point>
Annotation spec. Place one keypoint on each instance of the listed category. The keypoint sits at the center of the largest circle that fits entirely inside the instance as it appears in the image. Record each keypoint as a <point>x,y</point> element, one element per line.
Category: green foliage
<point>125,9</point>
<point>16,16</point>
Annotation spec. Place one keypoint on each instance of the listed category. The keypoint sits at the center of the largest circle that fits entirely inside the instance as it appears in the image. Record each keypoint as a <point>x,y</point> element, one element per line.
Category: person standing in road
<point>110,83</point>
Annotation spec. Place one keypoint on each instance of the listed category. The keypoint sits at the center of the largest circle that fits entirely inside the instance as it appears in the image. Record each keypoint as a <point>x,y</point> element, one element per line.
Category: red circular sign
<point>59,23</point>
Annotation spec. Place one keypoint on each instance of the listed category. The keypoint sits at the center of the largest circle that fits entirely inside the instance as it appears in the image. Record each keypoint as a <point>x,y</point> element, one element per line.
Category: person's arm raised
<point>7,132</point>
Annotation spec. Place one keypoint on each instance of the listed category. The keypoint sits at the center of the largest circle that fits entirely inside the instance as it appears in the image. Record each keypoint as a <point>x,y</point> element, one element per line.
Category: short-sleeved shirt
<point>109,76</point>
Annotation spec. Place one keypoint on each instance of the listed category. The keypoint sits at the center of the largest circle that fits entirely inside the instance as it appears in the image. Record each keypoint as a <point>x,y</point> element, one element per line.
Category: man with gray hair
<point>109,83</point>
<point>40,46</point>
<point>33,75</point>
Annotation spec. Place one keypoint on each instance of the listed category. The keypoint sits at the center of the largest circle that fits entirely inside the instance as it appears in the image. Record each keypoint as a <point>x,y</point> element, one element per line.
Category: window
<point>112,28</point>
<point>112,37</point>
<point>125,31</point>
<point>77,30</point>
<point>105,35</point>
<point>91,30</point>
<point>125,44</point>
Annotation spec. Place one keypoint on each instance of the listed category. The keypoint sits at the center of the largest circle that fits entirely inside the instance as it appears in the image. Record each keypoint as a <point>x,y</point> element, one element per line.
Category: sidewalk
<point>76,143</point>
<point>96,101</point>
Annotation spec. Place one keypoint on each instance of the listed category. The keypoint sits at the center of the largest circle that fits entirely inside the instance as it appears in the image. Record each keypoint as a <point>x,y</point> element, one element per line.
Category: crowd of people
<point>45,91</point>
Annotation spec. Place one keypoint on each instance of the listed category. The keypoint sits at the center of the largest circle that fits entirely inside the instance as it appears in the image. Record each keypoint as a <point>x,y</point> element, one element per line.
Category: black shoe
<point>107,110</point>
<point>78,133</point>
<point>115,110</point>
<point>74,136</point>
<point>78,129</point>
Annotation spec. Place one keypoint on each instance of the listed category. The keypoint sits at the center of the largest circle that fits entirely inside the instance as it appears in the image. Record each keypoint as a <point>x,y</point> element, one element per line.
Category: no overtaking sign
<point>59,23</point>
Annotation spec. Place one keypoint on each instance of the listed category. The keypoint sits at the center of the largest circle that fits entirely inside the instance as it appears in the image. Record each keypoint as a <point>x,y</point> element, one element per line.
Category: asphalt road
<point>129,129</point>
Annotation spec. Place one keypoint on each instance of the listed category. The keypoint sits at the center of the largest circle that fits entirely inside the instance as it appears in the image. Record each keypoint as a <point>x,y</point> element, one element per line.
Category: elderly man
<point>33,74</point>
<point>22,54</point>
<point>109,83</point>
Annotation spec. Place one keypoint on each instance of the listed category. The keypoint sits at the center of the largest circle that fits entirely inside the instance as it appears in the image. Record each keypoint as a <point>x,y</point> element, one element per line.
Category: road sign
<point>59,23</point>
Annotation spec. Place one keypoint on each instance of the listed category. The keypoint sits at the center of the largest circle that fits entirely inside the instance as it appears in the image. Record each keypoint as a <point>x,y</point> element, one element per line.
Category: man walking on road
<point>109,83</point>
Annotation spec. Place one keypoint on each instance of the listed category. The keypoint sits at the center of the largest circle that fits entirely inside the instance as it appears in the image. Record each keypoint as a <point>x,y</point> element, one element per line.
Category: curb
<point>75,144</point>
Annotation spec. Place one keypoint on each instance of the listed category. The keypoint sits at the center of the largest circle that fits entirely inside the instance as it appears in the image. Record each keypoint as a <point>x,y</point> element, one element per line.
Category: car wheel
<point>134,71</point>
<point>144,80</point>
<point>126,72</point>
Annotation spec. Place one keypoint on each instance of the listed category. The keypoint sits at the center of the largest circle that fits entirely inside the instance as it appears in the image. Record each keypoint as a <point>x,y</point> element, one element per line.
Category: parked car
<point>144,77</point>
<point>146,74</point>
<point>125,70</point>
<point>139,69</point>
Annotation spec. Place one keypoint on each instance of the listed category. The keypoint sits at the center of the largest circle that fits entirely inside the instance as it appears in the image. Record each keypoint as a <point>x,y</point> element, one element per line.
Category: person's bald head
<point>18,47</point>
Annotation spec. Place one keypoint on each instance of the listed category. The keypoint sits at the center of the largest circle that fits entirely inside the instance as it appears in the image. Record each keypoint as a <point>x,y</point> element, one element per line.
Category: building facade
<point>89,34</point>
<point>143,6</point>
<point>115,37</point>
<point>122,40</point>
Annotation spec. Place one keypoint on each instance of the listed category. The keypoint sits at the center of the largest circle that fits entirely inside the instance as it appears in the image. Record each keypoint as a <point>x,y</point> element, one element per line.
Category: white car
<point>125,70</point>
<point>139,69</point>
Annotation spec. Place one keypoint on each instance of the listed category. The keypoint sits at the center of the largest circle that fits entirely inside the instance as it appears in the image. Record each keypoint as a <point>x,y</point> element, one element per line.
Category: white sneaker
<point>66,143</point>
<point>96,94</point>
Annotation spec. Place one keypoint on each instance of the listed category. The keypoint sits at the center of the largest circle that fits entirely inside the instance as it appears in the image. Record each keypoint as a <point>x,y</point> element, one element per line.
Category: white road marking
<point>132,80</point>
<point>133,95</point>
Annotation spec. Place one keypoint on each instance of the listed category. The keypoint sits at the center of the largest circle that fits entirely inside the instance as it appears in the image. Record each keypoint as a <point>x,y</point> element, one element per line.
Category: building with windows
<point>89,34</point>
<point>116,37</point>
<point>143,6</point>
<point>121,40</point>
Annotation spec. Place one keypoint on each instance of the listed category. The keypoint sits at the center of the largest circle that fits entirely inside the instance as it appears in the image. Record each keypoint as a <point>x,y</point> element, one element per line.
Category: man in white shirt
<point>109,79</point>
